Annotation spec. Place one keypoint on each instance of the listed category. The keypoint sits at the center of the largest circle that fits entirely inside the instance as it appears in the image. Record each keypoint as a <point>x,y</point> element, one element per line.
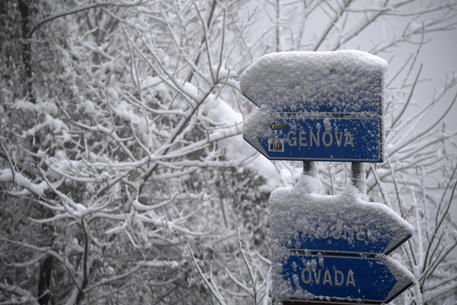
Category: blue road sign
<point>347,279</point>
<point>338,94</point>
<point>328,137</point>
<point>325,106</point>
<point>333,247</point>
<point>337,224</point>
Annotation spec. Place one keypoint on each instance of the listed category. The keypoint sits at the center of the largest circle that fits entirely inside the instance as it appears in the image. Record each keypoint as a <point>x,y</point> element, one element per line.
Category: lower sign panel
<point>343,279</point>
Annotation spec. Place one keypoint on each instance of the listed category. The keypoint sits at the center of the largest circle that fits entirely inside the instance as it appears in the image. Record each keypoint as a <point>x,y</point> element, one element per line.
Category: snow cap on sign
<point>341,223</point>
<point>338,81</point>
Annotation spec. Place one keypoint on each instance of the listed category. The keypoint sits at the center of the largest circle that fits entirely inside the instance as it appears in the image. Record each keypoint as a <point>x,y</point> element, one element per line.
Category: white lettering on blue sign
<point>315,138</point>
<point>315,276</point>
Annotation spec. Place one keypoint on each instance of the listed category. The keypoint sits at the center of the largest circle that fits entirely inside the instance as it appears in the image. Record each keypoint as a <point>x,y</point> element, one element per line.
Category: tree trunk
<point>44,282</point>
<point>24,10</point>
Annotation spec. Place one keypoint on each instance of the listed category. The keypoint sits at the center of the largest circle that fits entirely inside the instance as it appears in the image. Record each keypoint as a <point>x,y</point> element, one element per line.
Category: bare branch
<point>79,10</point>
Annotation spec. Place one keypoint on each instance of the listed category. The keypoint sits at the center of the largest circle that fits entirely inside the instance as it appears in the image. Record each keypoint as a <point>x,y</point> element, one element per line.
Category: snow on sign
<point>333,247</point>
<point>316,106</point>
<point>340,224</point>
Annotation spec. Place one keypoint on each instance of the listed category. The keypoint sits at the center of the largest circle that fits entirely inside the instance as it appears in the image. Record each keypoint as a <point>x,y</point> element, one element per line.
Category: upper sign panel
<point>323,106</point>
<point>340,81</point>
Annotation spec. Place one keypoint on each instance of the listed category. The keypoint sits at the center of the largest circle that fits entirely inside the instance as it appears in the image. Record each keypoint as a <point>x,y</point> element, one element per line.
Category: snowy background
<point>124,177</point>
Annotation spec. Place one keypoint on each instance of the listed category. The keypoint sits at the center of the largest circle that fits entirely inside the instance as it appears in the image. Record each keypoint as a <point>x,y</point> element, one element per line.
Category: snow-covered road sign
<point>326,106</point>
<point>348,279</point>
<point>333,247</point>
<point>337,224</point>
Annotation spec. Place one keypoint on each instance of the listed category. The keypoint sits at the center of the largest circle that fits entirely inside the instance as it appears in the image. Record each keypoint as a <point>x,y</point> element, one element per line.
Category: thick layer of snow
<point>39,107</point>
<point>342,81</point>
<point>6,175</point>
<point>301,219</point>
<point>219,111</point>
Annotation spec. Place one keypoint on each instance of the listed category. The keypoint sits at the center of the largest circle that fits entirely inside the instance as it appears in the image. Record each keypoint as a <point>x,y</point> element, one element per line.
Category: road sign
<point>337,224</point>
<point>327,106</point>
<point>311,136</point>
<point>345,279</point>
<point>333,247</point>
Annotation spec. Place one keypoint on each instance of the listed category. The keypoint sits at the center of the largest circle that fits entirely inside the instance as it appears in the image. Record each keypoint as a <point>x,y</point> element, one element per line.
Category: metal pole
<point>309,168</point>
<point>358,176</point>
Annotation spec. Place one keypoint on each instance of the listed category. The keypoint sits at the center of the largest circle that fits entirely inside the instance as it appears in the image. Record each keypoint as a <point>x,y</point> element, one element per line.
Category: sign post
<point>325,106</point>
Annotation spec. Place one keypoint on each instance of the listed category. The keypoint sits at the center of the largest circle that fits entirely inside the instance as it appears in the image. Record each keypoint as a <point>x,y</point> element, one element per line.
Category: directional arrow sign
<point>343,279</point>
<point>333,247</point>
<point>311,136</point>
<point>323,106</point>
<point>338,224</point>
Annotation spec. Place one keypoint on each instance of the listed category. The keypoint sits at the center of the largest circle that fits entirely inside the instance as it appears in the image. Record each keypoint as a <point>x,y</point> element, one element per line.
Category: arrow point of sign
<point>257,125</point>
<point>404,277</point>
<point>400,228</point>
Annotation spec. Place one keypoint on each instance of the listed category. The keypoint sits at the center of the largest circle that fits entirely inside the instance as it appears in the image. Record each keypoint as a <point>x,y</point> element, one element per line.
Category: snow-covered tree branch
<point>123,174</point>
